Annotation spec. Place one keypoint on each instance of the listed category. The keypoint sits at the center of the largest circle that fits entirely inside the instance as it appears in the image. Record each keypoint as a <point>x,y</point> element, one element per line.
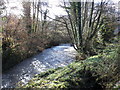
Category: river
<point>58,56</point>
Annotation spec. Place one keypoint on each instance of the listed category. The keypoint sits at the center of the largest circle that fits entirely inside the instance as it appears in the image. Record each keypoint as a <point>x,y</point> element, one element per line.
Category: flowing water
<point>58,56</point>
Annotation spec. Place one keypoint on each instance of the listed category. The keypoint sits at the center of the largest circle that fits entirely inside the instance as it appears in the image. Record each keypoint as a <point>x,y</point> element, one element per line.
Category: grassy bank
<point>94,72</point>
<point>74,75</point>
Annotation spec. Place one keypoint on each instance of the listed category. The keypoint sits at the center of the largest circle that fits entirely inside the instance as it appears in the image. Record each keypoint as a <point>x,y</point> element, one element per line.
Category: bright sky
<point>15,7</point>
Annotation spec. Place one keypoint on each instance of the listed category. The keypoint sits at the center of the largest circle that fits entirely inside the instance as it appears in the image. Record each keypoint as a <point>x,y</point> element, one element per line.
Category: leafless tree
<point>85,21</point>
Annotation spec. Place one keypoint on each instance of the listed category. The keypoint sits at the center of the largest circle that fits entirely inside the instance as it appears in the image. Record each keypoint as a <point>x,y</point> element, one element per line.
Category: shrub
<point>18,44</point>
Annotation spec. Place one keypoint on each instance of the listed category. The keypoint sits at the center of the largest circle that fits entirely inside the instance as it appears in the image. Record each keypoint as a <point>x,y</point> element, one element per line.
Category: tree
<point>2,6</point>
<point>27,16</point>
<point>108,28</point>
<point>109,23</point>
<point>85,21</point>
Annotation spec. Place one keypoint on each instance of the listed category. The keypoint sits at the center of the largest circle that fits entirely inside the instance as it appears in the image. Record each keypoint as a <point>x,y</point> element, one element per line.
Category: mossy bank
<point>94,72</point>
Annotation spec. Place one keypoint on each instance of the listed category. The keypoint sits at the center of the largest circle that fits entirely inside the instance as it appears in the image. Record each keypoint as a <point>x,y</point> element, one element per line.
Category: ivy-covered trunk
<point>88,48</point>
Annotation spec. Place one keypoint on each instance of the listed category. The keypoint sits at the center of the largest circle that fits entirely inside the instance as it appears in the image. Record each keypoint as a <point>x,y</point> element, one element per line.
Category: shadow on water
<point>54,57</point>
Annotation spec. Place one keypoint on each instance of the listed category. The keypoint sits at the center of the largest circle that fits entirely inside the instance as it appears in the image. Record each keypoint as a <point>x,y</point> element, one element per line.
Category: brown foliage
<point>20,44</point>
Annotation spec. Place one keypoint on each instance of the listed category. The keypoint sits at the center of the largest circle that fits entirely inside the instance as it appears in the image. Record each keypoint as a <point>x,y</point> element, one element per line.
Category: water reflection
<point>58,56</point>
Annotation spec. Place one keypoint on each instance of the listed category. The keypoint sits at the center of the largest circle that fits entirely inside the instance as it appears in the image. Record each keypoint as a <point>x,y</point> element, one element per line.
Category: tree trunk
<point>88,48</point>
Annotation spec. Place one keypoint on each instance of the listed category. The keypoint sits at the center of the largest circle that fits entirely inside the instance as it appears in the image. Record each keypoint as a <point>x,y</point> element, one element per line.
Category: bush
<point>18,44</point>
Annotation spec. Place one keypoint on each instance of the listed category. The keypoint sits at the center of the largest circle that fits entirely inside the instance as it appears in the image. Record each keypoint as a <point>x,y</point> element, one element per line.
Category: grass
<point>74,75</point>
<point>89,73</point>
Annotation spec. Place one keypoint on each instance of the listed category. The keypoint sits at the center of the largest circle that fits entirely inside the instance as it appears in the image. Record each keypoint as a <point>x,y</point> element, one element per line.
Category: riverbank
<point>18,59</point>
<point>96,72</point>
<point>15,51</point>
<point>58,56</point>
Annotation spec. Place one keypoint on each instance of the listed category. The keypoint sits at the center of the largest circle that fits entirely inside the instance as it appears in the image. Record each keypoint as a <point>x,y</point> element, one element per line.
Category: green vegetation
<point>94,72</point>
<point>89,26</point>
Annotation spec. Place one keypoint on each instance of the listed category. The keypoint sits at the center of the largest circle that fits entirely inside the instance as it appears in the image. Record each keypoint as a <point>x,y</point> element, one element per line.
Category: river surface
<point>58,56</point>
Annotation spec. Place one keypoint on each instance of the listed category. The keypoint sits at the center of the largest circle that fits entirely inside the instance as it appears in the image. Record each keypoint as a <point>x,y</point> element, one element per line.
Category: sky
<point>15,7</point>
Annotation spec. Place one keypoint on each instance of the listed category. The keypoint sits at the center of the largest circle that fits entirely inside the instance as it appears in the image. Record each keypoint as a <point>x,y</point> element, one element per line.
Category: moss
<point>45,74</point>
<point>80,74</point>
<point>69,76</point>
